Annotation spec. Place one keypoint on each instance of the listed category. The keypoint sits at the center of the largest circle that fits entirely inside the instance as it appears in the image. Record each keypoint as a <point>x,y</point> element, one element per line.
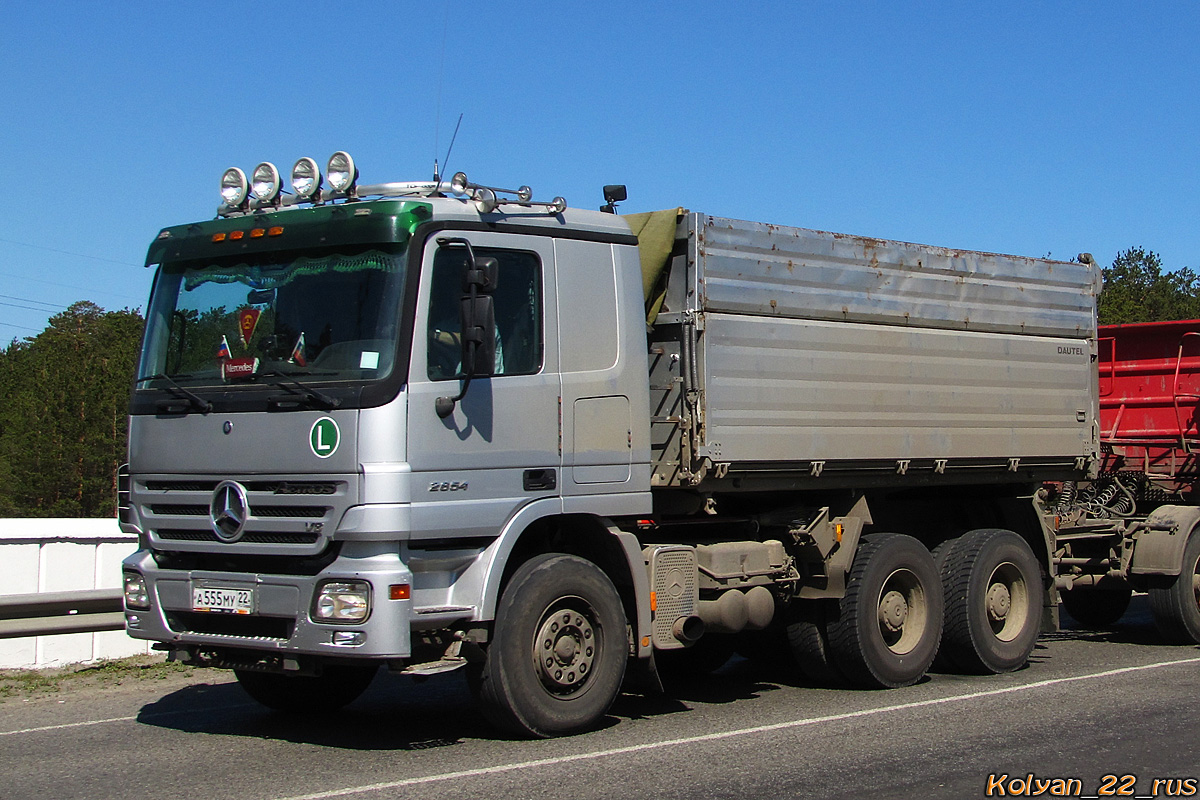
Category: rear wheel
<point>993,587</point>
<point>335,687</point>
<point>1093,607</point>
<point>809,642</point>
<point>1176,608</point>
<point>558,652</point>
<point>889,622</point>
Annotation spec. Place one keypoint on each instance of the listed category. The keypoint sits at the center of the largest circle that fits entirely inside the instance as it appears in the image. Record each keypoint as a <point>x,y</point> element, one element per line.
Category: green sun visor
<point>296,229</point>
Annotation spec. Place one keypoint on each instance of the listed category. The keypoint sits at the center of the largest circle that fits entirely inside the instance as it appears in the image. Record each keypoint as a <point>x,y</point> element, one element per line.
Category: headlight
<point>306,179</point>
<point>234,187</point>
<point>136,595</point>
<point>265,183</point>
<point>341,172</point>
<point>343,601</point>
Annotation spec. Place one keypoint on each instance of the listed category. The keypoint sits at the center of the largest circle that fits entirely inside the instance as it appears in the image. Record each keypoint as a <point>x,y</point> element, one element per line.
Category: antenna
<point>437,175</point>
<point>437,108</point>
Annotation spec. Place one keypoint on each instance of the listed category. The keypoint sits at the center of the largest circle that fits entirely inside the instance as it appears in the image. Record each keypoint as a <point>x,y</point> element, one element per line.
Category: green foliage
<point>1137,290</point>
<point>63,418</point>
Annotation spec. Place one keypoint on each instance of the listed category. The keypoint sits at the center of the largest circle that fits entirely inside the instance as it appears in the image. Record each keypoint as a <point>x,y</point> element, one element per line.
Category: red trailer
<point>1149,395</point>
<point>1136,525</point>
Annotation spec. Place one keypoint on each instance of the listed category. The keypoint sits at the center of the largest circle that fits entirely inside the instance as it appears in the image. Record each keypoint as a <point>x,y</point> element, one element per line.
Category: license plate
<point>222,599</point>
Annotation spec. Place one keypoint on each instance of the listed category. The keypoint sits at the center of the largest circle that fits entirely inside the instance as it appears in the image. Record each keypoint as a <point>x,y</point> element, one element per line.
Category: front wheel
<point>335,687</point>
<point>558,649</point>
<point>1176,608</point>
<point>888,623</point>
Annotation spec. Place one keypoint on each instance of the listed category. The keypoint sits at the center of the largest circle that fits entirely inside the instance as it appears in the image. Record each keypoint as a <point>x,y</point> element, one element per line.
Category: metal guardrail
<point>48,613</point>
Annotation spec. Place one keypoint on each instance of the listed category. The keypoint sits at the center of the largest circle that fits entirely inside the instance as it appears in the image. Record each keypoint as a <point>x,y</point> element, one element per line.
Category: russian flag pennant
<point>298,352</point>
<point>223,350</point>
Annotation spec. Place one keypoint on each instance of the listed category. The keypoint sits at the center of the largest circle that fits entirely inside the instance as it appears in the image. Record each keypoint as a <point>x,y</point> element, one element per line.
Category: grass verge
<point>28,683</point>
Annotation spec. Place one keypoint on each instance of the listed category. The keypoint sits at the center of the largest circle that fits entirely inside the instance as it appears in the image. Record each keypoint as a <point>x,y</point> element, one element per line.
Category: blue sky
<point>1030,128</point>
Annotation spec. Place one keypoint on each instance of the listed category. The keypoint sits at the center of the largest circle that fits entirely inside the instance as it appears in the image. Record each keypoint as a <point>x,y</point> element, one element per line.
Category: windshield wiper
<point>288,384</point>
<point>195,401</point>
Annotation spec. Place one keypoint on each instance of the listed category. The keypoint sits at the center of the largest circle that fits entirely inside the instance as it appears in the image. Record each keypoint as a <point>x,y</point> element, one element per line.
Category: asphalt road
<point>1090,705</point>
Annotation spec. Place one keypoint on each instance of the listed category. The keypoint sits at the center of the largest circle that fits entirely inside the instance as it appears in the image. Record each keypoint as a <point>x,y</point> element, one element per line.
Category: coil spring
<point>1066,497</point>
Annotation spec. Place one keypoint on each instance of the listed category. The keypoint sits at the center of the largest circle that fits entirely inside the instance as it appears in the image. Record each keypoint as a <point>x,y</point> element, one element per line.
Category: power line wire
<point>69,252</point>
<point>31,300</point>
<point>69,286</point>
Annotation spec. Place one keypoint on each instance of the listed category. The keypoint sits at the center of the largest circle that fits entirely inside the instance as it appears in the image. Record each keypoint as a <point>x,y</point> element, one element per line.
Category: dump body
<point>823,354</point>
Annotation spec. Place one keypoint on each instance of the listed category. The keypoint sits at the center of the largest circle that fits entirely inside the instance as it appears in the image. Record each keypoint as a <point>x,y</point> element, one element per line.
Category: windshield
<point>323,317</point>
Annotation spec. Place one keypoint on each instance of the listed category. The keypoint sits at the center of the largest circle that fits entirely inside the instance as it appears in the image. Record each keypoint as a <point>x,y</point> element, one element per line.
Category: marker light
<point>234,187</point>
<point>264,184</point>
<point>341,172</point>
<point>306,179</point>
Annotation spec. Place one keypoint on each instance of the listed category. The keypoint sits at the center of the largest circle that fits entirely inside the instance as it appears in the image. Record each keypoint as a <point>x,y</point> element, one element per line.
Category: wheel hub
<point>999,601</point>
<point>565,650</point>
<point>893,611</point>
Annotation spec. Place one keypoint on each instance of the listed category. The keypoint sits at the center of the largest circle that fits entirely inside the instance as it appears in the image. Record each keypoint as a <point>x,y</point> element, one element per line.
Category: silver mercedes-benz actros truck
<point>432,426</point>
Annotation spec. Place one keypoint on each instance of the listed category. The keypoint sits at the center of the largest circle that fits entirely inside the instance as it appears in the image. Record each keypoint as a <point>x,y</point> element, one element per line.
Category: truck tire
<point>809,642</point>
<point>335,687</point>
<point>888,624</point>
<point>558,649</point>
<point>1176,608</point>
<point>993,588</point>
<point>1093,607</point>
<point>942,662</point>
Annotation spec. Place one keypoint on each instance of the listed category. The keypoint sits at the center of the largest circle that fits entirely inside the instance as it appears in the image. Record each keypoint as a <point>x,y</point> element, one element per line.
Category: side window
<point>518,307</point>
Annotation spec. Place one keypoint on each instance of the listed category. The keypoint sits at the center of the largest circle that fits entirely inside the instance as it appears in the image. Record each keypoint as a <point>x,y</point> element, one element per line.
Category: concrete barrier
<point>63,555</point>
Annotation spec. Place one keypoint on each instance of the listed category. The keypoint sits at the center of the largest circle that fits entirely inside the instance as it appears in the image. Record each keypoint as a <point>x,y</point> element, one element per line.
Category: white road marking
<point>712,737</point>
<point>91,722</point>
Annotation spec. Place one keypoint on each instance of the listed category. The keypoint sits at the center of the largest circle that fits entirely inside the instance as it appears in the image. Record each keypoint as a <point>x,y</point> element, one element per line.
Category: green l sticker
<point>324,436</point>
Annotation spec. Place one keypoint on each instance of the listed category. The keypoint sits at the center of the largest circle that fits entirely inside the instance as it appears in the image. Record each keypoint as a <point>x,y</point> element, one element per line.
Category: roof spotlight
<point>342,172</point>
<point>264,183</point>
<point>306,179</point>
<point>234,187</point>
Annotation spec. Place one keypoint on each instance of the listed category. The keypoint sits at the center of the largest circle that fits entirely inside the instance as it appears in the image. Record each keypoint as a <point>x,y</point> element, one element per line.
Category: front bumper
<point>281,623</point>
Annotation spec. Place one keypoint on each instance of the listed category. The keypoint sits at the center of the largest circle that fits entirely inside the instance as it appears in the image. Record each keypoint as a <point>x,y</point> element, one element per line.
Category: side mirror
<point>482,274</point>
<point>477,317</point>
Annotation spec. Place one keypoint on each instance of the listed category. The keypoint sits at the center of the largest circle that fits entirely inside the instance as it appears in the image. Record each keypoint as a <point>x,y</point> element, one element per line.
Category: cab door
<point>500,448</point>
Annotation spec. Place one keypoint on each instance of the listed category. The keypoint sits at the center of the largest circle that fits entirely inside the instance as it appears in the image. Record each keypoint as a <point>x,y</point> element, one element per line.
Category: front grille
<point>295,512</point>
<point>236,562</point>
<point>276,512</point>
<point>245,626</point>
<point>165,510</point>
<point>251,537</point>
<point>181,486</point>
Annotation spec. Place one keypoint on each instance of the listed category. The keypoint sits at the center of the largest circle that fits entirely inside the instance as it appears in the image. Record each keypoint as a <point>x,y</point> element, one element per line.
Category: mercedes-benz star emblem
<point>228,510</point>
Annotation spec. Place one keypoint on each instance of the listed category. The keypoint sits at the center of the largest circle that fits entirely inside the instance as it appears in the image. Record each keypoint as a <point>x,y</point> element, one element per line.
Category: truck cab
<point>353,405</point>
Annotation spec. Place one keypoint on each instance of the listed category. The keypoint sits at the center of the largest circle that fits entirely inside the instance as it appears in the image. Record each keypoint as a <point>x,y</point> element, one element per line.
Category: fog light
<point>136,595</point>
<point>306,179</point>
<point>343,601</point>
<point>264,183</point>
<point>341,172</point>
<point>234,187</point>
<point>349,638</point>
